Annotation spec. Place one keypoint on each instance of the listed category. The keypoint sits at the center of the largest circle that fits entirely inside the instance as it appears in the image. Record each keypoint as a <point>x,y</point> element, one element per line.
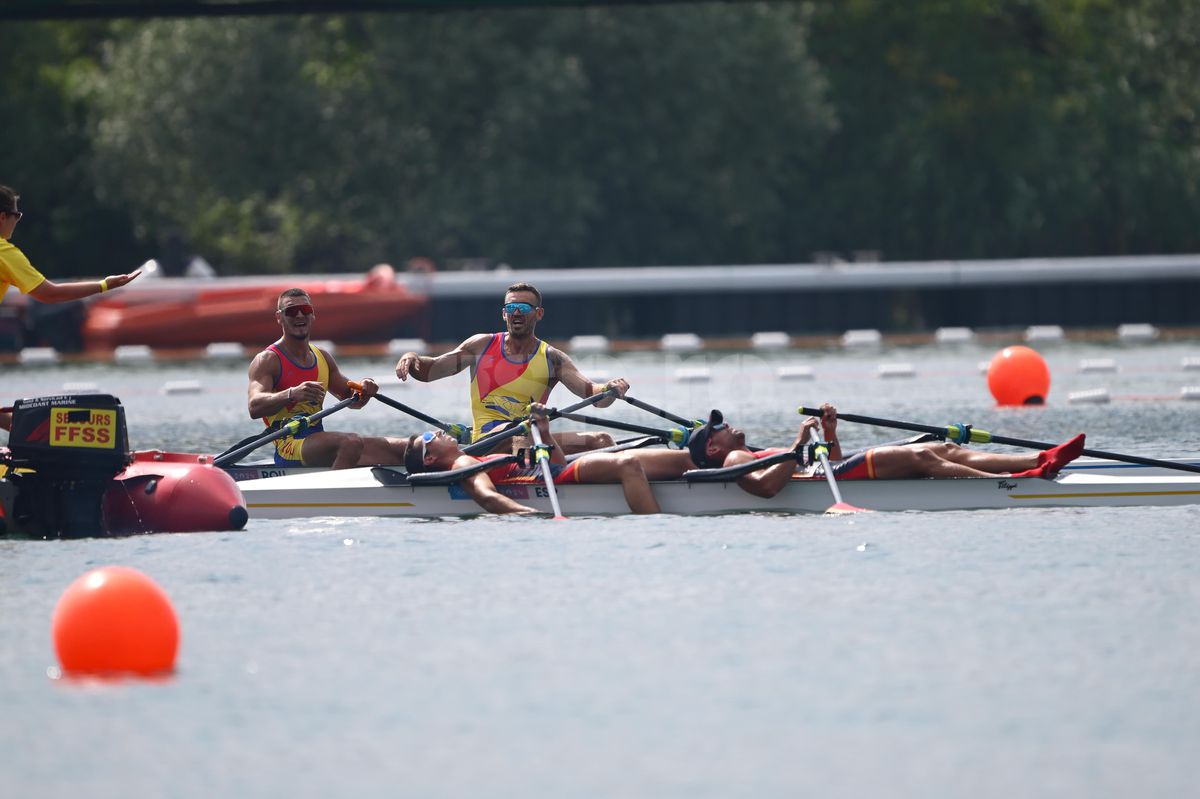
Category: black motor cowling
<point>65,452</point>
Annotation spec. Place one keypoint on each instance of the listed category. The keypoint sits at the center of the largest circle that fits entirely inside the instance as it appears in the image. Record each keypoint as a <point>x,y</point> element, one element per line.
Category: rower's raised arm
<point>427,368</point>
<point>569,375</point>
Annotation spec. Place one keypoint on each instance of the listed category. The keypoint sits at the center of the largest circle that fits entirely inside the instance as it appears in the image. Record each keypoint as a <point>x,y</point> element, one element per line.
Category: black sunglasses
<point>17,214</point>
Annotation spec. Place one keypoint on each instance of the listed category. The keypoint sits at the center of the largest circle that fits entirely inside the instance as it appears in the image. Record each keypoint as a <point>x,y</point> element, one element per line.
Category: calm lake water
<point>994,654</point>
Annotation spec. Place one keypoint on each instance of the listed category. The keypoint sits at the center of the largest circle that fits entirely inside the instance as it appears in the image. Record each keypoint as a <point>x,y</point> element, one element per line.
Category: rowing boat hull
<point>258,471</point>
<point>361,492</point>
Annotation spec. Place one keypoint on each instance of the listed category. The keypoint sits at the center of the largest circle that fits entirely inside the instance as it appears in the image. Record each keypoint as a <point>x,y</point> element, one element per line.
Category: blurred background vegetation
<point>701,133</point>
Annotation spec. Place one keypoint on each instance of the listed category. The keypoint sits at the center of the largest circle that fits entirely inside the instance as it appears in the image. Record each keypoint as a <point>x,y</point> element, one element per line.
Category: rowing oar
<point>675,435</point>
<point>645,406</point>
<point>520,426</point>
<point>542,454</point>
<point>290,427</point>
<point>839,505</point>
<point>459,431</point>
<point>962,433</point>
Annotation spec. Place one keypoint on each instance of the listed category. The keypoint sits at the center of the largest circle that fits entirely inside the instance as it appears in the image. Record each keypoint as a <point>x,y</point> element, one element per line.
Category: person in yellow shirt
<point>15,270</point>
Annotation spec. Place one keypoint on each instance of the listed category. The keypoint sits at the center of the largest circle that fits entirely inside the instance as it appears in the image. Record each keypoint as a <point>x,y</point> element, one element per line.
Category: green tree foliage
<point>46,152</point>
<point>707,133</point>
<point>982,128</point>
<point>565,138</point>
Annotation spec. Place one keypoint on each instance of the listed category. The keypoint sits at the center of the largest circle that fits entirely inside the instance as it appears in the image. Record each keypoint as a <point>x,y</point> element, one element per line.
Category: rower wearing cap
<point>291,378</point>
<point>512,369</point>
<point>717,444</point>
<point>435,451</point>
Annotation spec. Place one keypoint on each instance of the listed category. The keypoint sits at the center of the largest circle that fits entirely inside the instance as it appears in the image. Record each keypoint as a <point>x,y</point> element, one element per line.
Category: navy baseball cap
<point>698,441</point>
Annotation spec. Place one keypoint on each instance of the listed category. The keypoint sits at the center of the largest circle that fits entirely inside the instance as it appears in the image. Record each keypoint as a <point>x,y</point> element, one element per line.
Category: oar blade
<point>843,508</point>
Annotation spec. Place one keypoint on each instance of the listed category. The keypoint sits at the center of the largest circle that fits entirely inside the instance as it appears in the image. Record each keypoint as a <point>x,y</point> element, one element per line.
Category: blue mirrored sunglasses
<point>428,436</point>
<point>518,307</point>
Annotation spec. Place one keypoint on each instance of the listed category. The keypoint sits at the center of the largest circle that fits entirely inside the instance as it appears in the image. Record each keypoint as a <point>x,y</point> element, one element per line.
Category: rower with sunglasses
<point>511,370</point>
<point>15,269</point>
<point>435,451</point>
<point>291,378</point>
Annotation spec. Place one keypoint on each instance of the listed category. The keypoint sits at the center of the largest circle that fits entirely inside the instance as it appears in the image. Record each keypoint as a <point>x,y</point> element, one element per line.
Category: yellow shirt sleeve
<point>15,270</point>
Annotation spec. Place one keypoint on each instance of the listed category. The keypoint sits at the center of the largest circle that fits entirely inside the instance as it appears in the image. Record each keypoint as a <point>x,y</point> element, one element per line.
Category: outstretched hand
<point>116,281</point>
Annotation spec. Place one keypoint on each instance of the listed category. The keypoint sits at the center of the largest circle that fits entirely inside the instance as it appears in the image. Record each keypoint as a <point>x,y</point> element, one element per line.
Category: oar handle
<point>291,426</point>
<point>955,433</point>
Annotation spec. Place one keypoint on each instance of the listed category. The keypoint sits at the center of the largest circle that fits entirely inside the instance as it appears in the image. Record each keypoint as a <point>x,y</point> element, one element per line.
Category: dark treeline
<point>685,134</point>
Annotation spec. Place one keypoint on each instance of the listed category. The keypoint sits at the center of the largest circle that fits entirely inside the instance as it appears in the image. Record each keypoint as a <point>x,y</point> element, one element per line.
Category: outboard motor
<point>65,451</point>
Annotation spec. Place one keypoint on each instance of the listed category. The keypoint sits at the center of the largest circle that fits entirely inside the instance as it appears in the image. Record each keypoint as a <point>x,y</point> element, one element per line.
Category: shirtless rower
<point>717,444</point>
<point>436,451</point>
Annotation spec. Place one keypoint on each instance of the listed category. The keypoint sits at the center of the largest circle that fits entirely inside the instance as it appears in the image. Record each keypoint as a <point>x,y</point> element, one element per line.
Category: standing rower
<point>512,369</point>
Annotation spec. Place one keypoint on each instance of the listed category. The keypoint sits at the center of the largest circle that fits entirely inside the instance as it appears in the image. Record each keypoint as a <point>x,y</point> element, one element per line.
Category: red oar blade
<point>839,508</point>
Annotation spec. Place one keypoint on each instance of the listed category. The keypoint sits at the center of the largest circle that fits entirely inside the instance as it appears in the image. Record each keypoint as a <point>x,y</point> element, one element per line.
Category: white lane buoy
<point>794,373</point>
<point>225,349</point>
<point>680,342</point>
<point>133,353</point>
<point>896,370</point>
<point>1088,365</point>
<point>399,346</point>
<point>33,355</point>
<point>1092,396</point>
<point>954,335</point>
<point>588,345</point>
<point>1044,333</point>
<point>862,338</point>
<point>183,387</point>
<point>773,340</point>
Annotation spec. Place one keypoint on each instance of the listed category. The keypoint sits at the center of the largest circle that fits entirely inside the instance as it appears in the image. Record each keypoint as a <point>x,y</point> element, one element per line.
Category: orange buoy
<point>115,620</point>
<point>1018,376</point>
